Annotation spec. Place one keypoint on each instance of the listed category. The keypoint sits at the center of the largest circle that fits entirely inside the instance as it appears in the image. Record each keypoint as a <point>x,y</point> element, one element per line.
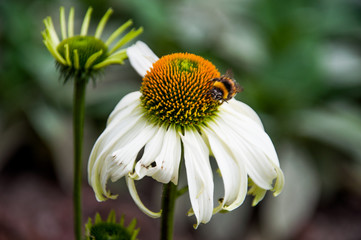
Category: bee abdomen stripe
<point>221,87</point>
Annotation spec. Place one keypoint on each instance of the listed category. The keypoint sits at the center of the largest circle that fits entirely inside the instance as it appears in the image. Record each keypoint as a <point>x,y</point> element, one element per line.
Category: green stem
<point>168,206</point>
<point>78,128</point>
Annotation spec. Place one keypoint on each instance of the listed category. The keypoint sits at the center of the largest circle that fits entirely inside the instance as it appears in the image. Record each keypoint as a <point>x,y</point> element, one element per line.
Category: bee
<point>225,87</point>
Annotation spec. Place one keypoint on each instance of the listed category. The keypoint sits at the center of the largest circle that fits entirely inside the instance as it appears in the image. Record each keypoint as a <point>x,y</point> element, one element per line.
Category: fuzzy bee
<point>225,87</point>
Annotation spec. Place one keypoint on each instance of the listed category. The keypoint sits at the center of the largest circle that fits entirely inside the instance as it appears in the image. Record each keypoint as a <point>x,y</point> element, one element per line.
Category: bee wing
<point>229,73</point>
<point>239,88</point>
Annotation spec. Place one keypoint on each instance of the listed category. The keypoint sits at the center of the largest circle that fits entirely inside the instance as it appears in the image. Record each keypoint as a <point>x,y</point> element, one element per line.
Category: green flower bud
<point>110,229</point>
<point>84,55</point>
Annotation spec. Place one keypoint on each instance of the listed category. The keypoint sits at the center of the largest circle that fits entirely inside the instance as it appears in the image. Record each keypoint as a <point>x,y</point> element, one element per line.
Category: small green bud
<point>84,55</point>
<point>110,229</point>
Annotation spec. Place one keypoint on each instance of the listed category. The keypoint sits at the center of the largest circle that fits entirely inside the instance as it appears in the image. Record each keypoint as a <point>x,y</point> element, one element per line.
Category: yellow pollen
<point>176,90</point>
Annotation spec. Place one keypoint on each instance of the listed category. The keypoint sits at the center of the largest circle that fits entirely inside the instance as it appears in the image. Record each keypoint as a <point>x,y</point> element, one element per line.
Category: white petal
<point>247,146</point>
<point>109,137</point>
<point>109,142</point>
<point>151,151</point>
<point>113,137</point>
<point>124,157</point>
<point>255,135</point>
<point>133,192</point>
<point>141,57</point>
<point>168,160</point>
<point>248,122</point>
<point>118,143</point>
<point>238,107</point>
<point>233,172</point>
<point>199,175</point>
<point>127,103</point>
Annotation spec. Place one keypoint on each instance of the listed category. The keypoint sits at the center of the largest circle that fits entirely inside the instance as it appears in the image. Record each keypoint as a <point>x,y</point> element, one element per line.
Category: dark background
<point>298,61</point>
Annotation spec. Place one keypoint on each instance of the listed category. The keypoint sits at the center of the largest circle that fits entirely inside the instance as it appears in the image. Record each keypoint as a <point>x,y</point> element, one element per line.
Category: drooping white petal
<point>141,57</point>
<point>115,149</point>
<point>116,134</point>
<point>100,158</point>
<point>168,160</point>
<point>107,140</point>
<point>199,175</point>
<point>252,134</point>
<point>245,119</point>
<point>133,192</point>
<point>251,152</point>
<point>124,158</point>
<point>124,110</point>
<point>161,157</point>
<point>147,166</point>
<point>233,172</point>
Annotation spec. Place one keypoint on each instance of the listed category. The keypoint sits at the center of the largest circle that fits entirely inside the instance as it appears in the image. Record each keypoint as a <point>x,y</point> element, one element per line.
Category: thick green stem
<point>168,206</point>
<point>78,128</point>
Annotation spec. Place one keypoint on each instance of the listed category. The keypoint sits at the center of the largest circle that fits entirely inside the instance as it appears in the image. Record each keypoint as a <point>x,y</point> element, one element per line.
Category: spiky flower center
<point>176,90</point>
<point>86,47</point>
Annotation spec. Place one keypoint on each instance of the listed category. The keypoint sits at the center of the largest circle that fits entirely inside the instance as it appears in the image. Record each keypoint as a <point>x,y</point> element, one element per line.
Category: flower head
<point>110,229</point>
<point>174,113</point>
<point>83,54</point>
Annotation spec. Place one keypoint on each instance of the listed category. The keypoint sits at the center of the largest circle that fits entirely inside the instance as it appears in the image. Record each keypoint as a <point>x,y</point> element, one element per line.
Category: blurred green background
<point>298,61</point>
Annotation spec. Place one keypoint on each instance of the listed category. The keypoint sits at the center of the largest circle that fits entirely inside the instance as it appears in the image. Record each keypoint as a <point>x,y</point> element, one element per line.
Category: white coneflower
<point>85,54</point>
<point>172,113</point>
